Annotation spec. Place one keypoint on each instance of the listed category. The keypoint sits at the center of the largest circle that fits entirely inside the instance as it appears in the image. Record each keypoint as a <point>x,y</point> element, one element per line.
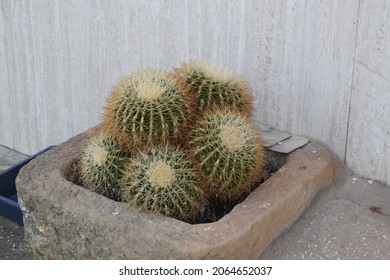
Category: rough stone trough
<point>65,221</point>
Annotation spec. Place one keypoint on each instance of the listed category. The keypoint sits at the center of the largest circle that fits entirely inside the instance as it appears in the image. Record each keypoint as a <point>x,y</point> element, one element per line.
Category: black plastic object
<point>9,206</point>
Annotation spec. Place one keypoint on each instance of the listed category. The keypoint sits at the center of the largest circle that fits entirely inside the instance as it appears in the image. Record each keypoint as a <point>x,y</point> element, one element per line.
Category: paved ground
<point>12,245</point>
<point>348,220</point>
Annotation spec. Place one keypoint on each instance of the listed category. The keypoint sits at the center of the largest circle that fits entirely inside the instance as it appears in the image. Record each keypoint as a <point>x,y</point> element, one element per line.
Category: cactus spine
<point>229,150</point>
<point>162,180</point>
<point>102,164</point>
<point>147,108</point>
<point>215,87</point>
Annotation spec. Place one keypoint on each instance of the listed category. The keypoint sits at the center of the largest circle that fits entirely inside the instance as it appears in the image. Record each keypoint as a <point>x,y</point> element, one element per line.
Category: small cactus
<point>229,150</point>
<point>147,108</point>
<point>162,180</point>
<point>102,164</point>
<point>215,87</point>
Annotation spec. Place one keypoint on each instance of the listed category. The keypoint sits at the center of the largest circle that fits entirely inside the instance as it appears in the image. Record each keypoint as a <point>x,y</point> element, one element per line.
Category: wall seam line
<point>351,88</point>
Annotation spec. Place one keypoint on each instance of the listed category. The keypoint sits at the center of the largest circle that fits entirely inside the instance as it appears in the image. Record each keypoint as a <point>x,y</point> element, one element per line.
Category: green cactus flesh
<point>229,150</point>
<point>147,108</point>
<point>215,87</point>
<point>162,180</point>
<point>102,165</point>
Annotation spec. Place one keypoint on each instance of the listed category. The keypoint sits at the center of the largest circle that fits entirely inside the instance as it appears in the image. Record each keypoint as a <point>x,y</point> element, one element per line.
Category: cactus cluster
<point>173,142</point>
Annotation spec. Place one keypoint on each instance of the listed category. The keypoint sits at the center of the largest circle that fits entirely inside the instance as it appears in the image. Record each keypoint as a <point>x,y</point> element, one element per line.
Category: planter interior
<point>215,208</point>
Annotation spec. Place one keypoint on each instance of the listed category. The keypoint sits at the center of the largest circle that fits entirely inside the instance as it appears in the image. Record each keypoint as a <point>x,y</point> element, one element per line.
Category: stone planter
<point>65,221</point>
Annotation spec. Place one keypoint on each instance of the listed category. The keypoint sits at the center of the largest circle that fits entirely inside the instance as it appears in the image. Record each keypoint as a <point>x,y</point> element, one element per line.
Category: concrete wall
<point>317,68</point>
<point>368,149</point>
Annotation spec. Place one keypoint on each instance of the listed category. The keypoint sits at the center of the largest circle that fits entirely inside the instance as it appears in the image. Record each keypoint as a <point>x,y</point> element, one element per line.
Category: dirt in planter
<point>216,208</point>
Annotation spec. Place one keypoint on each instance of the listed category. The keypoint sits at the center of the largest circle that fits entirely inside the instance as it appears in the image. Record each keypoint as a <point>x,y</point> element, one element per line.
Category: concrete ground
<point>347,220</point>
<point>12,245</point>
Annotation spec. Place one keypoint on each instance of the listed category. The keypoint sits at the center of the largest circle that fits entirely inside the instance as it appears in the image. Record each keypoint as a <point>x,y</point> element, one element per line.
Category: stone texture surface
<point>290,144</point>
<point>273,136</point>
<point>66,221</point>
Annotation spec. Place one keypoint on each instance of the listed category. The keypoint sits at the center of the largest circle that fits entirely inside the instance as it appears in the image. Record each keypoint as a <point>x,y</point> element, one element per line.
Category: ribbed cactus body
<point>215,87</point>
<point>229,150</point>
<point>162,180</point>
<point>102,165</point>
<point>192,143</point>
<point>147,108</point>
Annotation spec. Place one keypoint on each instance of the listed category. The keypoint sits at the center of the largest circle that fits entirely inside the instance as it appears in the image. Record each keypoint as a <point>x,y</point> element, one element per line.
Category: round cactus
<point>147,108</point>
<point>162,180</point>
<point>215,87</point>
<point>102,164</point>
<point>229,150</point>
